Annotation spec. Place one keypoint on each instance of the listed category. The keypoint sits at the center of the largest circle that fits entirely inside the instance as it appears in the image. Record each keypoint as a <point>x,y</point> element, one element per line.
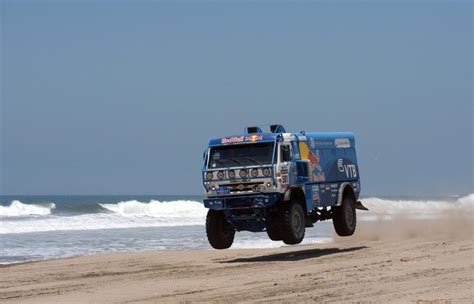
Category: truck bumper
<point>242,202</point>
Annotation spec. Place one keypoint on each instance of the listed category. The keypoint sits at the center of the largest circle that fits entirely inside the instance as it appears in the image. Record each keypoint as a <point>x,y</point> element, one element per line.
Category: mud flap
<point>358,205</point>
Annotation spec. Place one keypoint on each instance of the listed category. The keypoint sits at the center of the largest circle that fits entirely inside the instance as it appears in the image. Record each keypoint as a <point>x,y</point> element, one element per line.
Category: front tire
<point>293,224</point>
<point>273,225</point>
<point>273,232</point>
<point>220,232</point>
<point>344,217</point>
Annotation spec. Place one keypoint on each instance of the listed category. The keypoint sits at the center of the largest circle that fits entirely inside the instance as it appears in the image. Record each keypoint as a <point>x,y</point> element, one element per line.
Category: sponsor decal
<point>315,190</point>
<point>340,165</point>
<point>315,169</point>
<point>253,138</point>
<point>223,190</point>
<point>239,139</point>
<point>314,160</point>
<point>349,169</point>
<point>342,143</point>
<point>230,140</point>
<point>320,177</point>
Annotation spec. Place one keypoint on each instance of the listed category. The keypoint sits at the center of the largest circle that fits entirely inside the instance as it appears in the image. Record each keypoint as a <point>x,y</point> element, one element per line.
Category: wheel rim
<point>227,229</point>
<point>349,216</point>
<point>297,222</point>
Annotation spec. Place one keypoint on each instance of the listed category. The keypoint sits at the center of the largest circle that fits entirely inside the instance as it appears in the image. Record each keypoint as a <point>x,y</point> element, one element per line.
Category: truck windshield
<point>241,155</point>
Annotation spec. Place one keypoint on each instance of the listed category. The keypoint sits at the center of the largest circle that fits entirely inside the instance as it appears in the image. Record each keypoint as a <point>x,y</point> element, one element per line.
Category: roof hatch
<point>273,129</point>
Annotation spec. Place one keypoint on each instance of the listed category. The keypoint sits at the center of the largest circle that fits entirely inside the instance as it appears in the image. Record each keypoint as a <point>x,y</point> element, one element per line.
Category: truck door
<point>286,166</point>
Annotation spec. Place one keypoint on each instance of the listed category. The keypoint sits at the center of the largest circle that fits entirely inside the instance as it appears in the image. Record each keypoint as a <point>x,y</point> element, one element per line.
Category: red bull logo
<point>314,162</point>
<point>231,140</point>
<point>314,159</point>
<point>253,138</point>
<point>239,139</point>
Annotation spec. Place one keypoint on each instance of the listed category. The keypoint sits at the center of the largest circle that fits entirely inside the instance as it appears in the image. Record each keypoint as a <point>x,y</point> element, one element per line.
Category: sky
<point>109,97</point>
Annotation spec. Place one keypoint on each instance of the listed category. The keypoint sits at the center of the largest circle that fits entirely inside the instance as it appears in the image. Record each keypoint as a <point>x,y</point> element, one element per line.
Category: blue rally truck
<point>280,183</point>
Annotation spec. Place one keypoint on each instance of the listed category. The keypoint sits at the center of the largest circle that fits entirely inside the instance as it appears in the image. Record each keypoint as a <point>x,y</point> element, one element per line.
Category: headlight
<point>209,175</point>
<point>266,172</point>
<point>254,172</point>
<point>220,175</point>
<point>243,173</point>
<point>231,174</point>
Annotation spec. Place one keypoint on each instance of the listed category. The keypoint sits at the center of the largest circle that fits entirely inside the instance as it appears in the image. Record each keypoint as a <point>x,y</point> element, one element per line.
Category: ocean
<point>46,227</point>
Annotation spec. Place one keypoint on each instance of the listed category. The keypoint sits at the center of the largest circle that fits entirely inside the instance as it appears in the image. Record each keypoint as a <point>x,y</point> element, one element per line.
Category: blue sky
<point>121,97</point>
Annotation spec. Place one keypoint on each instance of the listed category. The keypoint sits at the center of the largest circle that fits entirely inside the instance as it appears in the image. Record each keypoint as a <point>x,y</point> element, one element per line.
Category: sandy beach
<point>139,137</point>
<point>396,261</point>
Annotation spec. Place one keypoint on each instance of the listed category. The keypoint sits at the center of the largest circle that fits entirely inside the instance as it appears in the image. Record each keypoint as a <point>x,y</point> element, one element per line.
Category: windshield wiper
<point>236,161</point>
<point>254,160</point>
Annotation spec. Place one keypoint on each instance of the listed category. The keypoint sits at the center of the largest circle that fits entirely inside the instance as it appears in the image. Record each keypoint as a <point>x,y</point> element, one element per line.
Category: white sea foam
<point>467,201</point>
<point>130,214</point>
<point>24,218</point>
<point>162,210</point>
<point>17,208</point>
<point>386,208</point>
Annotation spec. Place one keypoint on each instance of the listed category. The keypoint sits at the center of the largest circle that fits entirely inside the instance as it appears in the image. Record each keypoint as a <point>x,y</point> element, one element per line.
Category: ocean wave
<point>467,201</point>
<point>129,214</point>
<point>17,208</point>
<point>387,208</point>
<point>26,218</point>
<point>158,209</point>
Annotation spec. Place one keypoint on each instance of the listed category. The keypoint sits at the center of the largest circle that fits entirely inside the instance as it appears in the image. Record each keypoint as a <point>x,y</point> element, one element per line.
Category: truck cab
<point>280,183</point>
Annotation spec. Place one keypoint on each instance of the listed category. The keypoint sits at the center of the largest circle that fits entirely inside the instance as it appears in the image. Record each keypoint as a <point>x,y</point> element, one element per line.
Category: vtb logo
<point>349,169</point>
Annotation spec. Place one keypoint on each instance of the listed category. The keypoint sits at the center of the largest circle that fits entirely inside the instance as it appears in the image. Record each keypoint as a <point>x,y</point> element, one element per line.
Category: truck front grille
<point>244,187</point>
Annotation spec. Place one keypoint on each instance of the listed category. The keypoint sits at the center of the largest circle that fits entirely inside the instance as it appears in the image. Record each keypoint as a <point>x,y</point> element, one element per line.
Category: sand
<point>404,261</point>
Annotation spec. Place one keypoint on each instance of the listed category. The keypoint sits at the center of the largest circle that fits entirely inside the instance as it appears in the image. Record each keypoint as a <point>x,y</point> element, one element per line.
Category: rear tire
<point>292,224</point>
<point>220,232</point>
<point>344,217</point>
